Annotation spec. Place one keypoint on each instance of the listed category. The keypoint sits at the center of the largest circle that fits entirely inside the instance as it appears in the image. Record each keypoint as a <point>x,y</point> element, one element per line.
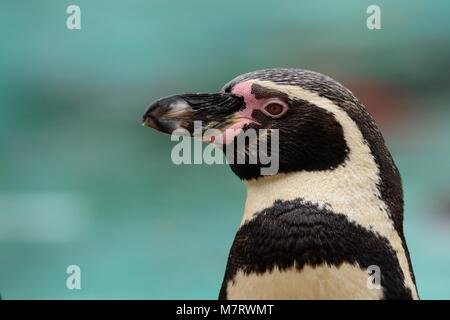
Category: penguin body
<point>333,211</point>
<point>297,250</point>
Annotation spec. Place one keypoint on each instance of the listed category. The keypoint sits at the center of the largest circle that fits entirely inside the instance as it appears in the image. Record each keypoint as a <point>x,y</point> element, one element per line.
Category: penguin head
<point>295,102</point>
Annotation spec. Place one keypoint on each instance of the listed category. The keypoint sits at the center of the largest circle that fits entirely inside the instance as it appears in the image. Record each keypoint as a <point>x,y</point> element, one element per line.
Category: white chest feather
<point>346,282</point>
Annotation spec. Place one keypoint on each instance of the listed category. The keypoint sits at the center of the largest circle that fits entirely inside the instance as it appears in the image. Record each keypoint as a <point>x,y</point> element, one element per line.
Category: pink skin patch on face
<point>244,89</point>
<point>244,117</point>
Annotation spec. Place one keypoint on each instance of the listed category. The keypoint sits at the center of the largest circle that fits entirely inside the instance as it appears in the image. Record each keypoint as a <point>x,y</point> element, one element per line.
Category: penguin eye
<point>274,109</point>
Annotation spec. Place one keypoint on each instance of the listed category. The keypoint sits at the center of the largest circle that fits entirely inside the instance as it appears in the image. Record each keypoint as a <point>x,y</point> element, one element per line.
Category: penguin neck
<point>343,189</point>
<point>350,189</point>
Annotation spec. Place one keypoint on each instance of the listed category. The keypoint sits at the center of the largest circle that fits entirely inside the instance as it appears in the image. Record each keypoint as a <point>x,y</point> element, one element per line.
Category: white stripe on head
<point>350,189</point>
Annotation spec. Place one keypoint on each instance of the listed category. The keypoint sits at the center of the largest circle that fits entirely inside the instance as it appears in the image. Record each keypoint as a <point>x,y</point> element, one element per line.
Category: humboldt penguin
<point>329,223</point>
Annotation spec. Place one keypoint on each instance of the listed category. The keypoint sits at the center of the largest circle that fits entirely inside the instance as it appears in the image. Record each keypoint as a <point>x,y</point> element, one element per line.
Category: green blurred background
<point>81,182</point>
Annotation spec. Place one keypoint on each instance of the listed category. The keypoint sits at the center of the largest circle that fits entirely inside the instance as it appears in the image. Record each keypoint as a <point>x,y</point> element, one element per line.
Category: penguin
<point>329,223</point>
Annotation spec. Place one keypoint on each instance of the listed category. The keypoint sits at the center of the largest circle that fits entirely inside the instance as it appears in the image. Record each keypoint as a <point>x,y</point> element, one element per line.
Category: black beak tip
<point>150,121</point>
<point>153,121</point>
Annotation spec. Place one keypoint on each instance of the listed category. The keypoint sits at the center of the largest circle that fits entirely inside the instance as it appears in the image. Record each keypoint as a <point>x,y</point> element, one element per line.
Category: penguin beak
<point>218,111</point>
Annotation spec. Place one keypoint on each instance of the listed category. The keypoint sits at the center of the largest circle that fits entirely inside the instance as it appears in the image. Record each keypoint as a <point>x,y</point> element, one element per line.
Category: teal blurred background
<point>81,182</point>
